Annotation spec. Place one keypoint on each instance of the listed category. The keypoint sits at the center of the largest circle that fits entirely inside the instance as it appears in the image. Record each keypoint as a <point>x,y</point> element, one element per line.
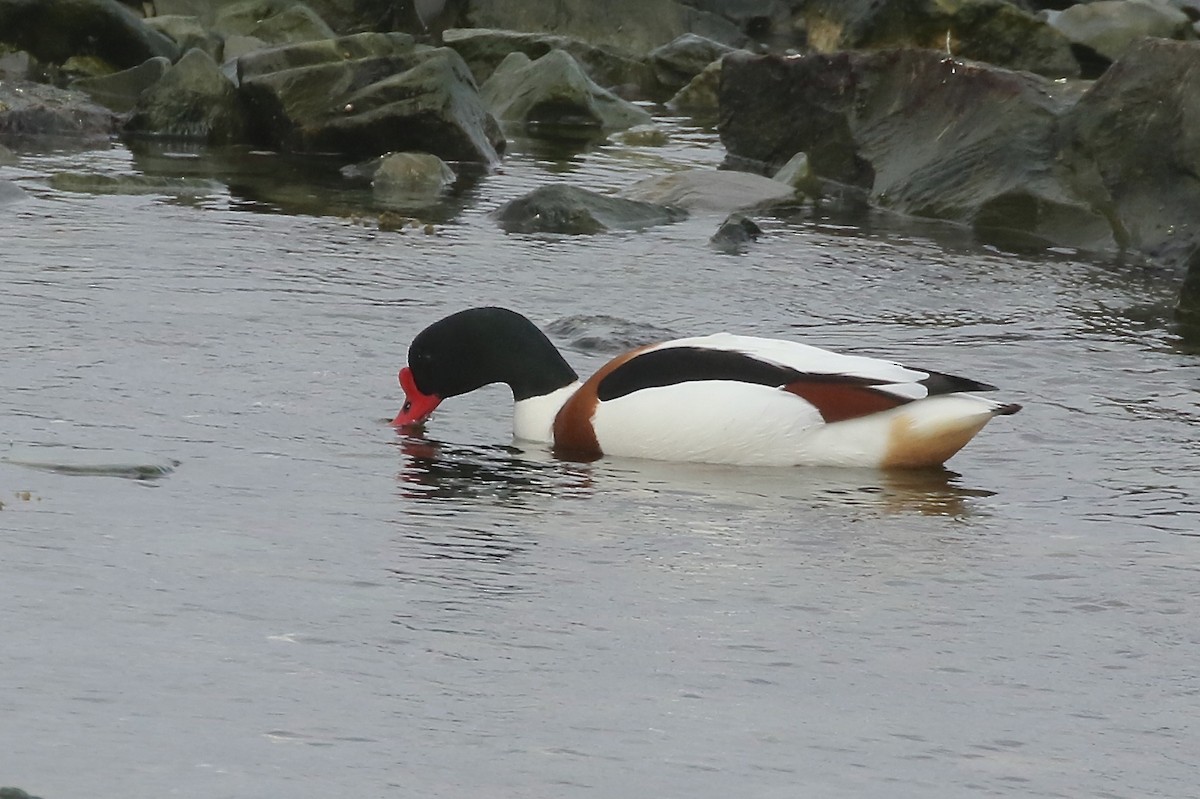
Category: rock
<point>644,136</point>
<point>699,97</point>
<point>483,50</point>
<point>994,31</point>
<point>735,235</point>
<point>14,793</point>
<point>17,65</point>
<point>553,96</point>
<point>1137,124</point>
<point>96,183</point>
<point>120,90</point>
<point>55,30</point>
<point>7,156</point>
<point>188,33</point>
<point>560,208</point>
<point>36,111</point>
<point>1109,27</point>
<point>405,180</point>
<point>237,45</point>
<point>679,61</point>
<point>296,23</point>
<point>629,26</point>
<point>798,174</point>
<point>1188,308</point>
<point>192,100</point>
<point>865,119</point>
<point>421,100</point>
<point>711,190</point>
<point>10,192</point>
<point>323,51</point>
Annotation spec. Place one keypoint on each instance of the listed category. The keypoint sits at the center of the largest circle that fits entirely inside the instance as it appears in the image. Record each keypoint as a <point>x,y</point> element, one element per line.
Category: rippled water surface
<point>225,575</point>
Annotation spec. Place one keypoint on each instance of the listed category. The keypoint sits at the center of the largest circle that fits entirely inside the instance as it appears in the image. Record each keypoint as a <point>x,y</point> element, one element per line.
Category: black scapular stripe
<point>939,383</point>
<point>673,365</point>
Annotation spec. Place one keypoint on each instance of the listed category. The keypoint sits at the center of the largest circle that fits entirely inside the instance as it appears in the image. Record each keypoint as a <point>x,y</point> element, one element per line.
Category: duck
<point>720,398</point>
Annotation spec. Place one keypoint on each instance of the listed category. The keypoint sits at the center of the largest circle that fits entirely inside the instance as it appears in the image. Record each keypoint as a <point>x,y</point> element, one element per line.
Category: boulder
<point>55,30</point>
<point>1109,27</point>
<point>483,50</point>
<point>554,96</point>
<point>629,26</point>
<point>120,91</point>
<point>711,190</point>
<point>677,62</point>
<point>36,111</point>
<point>10,192</point>
<point>296,23</point>
<point>423,100</point>
<point>994,31</point>
<point>1137,124</point>
<point>560,208</point>
<point>922,135</point>
<point>193,100</point>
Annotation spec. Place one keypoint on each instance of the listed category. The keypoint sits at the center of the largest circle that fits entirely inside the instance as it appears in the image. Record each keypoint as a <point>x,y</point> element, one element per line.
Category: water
<point>225,575</point>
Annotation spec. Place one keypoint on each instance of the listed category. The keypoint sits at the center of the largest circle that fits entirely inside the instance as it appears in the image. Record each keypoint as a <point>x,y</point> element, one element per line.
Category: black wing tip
<point>1007,410</point>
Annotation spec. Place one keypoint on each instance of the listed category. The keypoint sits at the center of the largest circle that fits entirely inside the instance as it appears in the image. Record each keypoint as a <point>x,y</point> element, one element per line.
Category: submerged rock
<point>192,100</point>
<point>402,180</point>
<point>554,96</point>
<point>711,190</point>
<point>96,183</point>
<point>560,208</point>
<point>55,30</point>
<point>735,235</point>
<point>80,462</point>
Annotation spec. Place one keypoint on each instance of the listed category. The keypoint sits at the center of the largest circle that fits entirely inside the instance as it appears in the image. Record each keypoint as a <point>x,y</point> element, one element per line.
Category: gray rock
<point>798,174</point>
<point>7,156</point>
<point>560,208</point>
<point>483,50</point>
<point>629,26</point>
<point>10,192</point>
<point>36,111</point>
<point>994,31</point>
<point>1147,159</point>
<point>711,190</point>
<point>237,45</point>
<point>120,91</point>
<point>55,30</point>
<point>554,96</point>
<point>865,119</point>
<point>1109,27</point>
<point>193,100</point>
<point>422,100</point>
<point>735,235</point>
<point>678,62</point>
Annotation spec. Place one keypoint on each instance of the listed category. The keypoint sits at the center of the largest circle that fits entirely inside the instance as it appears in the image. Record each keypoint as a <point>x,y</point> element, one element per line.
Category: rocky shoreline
<point>1032,123</point>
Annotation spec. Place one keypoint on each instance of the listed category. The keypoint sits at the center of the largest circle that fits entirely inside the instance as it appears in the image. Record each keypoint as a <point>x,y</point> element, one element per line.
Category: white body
<point>726,421</point>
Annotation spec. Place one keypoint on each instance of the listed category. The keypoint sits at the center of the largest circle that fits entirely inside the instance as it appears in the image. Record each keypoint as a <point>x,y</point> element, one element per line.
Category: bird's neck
<point>533,417</point>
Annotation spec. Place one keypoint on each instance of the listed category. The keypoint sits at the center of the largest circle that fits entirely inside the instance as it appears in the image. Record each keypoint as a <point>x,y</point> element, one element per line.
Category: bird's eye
<point>407,406</point>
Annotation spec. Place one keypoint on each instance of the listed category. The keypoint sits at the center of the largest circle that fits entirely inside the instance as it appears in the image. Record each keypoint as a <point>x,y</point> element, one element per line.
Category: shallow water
<point>224,574</point>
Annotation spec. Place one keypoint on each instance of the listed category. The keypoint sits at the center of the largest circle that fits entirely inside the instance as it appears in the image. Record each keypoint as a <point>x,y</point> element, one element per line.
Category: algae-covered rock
<point>1110,27</point>
<point>97,183</point>
<point>554,96</point>
<point>192,100</point>
<point>677,62</point>
<point>700,96</point>
<point>188,33</point>
<point>560,208</point>
<point>323,51</point>
<point>403,180</point>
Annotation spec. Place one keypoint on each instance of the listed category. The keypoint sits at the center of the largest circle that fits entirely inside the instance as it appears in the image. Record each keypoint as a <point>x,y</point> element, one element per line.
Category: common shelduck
<point>717,399</point>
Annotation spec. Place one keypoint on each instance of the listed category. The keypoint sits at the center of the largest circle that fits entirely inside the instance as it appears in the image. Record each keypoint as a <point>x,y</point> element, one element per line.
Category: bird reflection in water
<point>436,470</point>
